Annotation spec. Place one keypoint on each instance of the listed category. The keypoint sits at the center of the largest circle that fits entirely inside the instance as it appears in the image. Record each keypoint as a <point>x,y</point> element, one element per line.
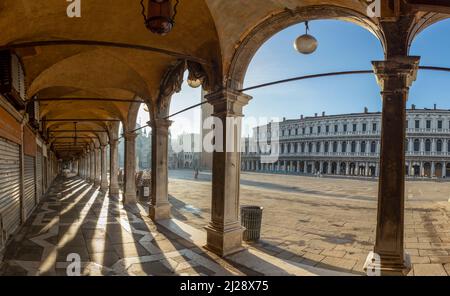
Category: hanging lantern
<point>160,17</point>
<point>195,82</point>
<point>306,44</point>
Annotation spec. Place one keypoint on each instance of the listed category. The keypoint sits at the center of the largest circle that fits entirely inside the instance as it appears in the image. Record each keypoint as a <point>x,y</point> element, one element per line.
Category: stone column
<point>80,167</point>
<point>338,168</point>
<point>160,206</point>
<point>433,169</point>
<point>395,76</point>
<point>104,171</point>
<point>87,173</point>
<point>98,167</point>
<point>321,167</point>
<point>92,169</point>
<point>114,167</point>
<point>224,233</point>
<point>347,168</point>
<point>130,169</point>
<point>444,170</point>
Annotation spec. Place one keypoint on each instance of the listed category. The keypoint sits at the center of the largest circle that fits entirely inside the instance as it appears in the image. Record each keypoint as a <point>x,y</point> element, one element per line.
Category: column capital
<point>113,142</point>
<point>130,136</point>
<point>228,102</point>
<point>403,67</point>
<point>160,123</point>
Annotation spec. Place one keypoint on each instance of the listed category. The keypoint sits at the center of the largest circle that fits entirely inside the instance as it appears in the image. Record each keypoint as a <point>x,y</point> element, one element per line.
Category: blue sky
<point>342,46</point>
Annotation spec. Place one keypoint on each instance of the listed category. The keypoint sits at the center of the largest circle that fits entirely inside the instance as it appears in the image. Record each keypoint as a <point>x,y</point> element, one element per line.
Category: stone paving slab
<point>318,221</point>
<point>111,239</point>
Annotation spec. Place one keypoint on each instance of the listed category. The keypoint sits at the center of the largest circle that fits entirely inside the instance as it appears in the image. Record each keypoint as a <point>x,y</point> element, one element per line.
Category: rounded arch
<point>254,39</point>
<point>422,23</point>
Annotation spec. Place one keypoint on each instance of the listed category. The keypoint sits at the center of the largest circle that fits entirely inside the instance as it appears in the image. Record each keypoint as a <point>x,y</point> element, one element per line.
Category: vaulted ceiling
<point>109,54</point>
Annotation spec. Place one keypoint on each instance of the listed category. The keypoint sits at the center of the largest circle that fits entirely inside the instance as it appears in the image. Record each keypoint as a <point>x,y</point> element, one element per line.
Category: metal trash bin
<point>251,217</point>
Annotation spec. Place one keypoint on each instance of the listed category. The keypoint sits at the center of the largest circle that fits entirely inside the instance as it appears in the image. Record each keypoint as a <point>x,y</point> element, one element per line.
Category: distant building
<point>349,144</point>
<point>186,152</point>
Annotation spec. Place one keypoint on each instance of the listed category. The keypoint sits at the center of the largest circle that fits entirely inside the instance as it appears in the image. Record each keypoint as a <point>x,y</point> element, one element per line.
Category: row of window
<point>354,128</point>
<point>334,147</point>
<point>318,129</point>
<point>428,124</point>
<point>428,145</point>
<point>365,146</point>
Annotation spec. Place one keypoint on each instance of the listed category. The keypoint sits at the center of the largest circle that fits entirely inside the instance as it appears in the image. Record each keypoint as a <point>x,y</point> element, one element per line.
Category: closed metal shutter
<point>39,174</point>
<point>9,187</point>
<point>29,185</point>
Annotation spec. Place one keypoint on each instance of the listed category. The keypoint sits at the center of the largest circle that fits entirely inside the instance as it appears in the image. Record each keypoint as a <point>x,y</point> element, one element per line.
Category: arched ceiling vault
<point>75,57</point>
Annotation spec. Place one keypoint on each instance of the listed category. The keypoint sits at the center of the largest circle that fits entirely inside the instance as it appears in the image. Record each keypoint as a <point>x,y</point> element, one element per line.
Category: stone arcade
<point>85,82</point>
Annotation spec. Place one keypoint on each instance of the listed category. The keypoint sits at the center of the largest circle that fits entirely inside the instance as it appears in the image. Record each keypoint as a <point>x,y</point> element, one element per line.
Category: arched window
<point>318,147</point>
<point>335,146</point>
<point>344,147</point>
<point>310,147</point>
<point>439,146</point>
<point>428,145</point>
<point>416,145</point>
<point>363,147</point>
<point>303,147</point>
<point>373,147</point>
<point>327,146</point>
<point>353,147</point>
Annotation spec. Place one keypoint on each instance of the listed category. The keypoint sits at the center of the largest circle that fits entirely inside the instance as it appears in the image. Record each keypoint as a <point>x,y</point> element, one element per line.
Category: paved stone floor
<point>110,240</point>
<point>327,222</point>
<point>310,226</point>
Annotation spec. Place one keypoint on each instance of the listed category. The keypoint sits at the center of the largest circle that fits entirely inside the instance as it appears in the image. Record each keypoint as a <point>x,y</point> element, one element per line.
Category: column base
<point>114,190</point>
<point>97,182</point>
<point>224,242</point>
<point>104,187</point>
<point>387,265</point>
<point>129,199</point>
<point>160,212</point>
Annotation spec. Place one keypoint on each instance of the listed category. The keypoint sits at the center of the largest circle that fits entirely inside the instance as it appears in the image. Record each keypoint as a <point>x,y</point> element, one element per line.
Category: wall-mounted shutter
<point>39,187</point>
<point>9,187</point>
<point>29,185</point>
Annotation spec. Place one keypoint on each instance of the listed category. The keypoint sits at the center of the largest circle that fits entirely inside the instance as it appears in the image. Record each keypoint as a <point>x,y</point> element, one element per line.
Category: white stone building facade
<point>350,145</point>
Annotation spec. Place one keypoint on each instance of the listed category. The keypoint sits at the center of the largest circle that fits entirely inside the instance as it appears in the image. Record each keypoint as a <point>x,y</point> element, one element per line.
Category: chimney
<point>435,106</point>
<point>366,110</point>
<point>413,107</point>
<point>315,114</point>
<point>301,116</point>
<point>323,113</point>
<point>284,118</point>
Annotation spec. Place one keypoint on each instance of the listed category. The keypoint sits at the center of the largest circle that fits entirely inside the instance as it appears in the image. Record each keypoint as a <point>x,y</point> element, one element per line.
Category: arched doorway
<point>325,168</point>
<point>343,168</point>
<point>416,170</point>
<point>438,170</point>
<point>427,170</point>
<point>334,168</point>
